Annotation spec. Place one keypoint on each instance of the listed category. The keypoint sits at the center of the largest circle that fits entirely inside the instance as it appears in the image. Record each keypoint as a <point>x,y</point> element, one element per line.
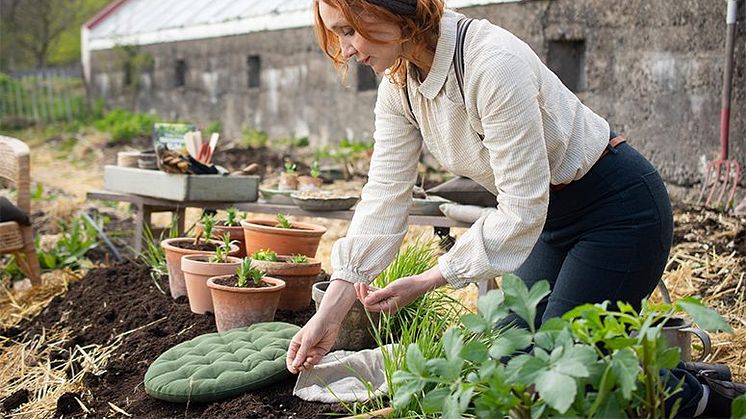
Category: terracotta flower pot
<point>288,181</point>
<point>355,333</point>
<point>301,240</point>
<point>173,262</point>
<point>309,183</point>
<point>236,233</point>
<point>298,277</point>
<point>197,270</point>
<point>238,307</point>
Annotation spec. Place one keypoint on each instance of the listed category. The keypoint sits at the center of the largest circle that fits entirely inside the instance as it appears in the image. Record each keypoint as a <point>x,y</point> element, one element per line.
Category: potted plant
<point>289,178</point>
<point>231,225</point>
<point>298,271</point>
<point>198,269</point>
<point>175,248</point>
<point>282,236</point>
<point>244,298</point>
<point>313,182</point>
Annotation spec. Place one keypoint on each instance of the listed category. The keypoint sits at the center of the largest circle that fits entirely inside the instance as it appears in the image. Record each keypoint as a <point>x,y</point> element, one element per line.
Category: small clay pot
<point>303,239</point>
<point>173,262</point>
<point>298,277</point>
<point>309,183</point>
<point>356,332</point>
<point>197,270</point>
<point>288,182</point>
<point>239,307</point>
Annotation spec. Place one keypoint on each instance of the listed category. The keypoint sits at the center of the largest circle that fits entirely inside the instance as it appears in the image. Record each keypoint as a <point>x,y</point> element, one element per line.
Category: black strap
<point>458,55</point>
<point>458,59</point>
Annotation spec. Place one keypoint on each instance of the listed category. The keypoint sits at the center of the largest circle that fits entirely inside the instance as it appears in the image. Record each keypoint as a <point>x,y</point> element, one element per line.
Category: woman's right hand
<point>317,337</point>
<point>311,343</point>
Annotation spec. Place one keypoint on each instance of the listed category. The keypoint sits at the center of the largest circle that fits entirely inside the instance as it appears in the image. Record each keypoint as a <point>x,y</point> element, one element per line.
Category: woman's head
<point>384,34</point>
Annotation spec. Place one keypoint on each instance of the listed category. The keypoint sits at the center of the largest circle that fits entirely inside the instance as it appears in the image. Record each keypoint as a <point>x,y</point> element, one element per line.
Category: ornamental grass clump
<point>248,276</point>
<point>593,362</point>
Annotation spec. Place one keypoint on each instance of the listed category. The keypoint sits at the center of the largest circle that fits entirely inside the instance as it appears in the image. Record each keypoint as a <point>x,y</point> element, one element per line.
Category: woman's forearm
<point>337,301</point>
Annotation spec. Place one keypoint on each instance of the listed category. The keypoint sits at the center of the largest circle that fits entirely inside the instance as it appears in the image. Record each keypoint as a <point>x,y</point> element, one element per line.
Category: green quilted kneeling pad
<point>216,366</point>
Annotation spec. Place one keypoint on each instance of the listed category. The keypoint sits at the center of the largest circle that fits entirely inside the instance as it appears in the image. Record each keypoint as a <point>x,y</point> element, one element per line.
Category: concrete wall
<point>653,68</point>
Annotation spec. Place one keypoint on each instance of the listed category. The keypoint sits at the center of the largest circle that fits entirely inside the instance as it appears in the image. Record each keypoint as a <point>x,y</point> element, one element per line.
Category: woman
<point>589,215</point>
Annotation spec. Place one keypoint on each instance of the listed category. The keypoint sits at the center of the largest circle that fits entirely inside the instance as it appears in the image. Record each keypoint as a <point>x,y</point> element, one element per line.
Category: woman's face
<point>378,56</point>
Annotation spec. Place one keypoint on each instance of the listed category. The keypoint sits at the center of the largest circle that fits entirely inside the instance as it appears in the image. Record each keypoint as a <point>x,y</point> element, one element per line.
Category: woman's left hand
<point>398,293</point>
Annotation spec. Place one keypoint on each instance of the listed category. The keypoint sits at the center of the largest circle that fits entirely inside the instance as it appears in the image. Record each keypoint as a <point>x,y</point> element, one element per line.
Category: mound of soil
<point>124,297</point>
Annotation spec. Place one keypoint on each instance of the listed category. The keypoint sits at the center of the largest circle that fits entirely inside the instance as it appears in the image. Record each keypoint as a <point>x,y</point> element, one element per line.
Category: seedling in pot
<point>315,171</point>
<point>298,259</point>
<point>246,272</point>
<point>208,223</point>
<point>265,255</point>
<point>283,222</point>
<point>222,251</point>
<point>290,167</point>
<point>232,217</point>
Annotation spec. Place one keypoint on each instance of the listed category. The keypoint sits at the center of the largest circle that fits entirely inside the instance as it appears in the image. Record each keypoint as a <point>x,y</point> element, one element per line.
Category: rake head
<point>721,180</point>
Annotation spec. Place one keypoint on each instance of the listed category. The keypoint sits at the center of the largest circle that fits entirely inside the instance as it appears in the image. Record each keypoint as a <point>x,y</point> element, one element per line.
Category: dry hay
<point>18,306</point>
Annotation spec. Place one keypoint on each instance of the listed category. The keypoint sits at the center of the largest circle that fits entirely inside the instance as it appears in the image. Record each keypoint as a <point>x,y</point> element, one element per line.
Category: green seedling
<point>246,272</point>
<point>208,223</point>
<point>265,254</point>
<point>232,217</point>
<point>315,170</point>
<point>223,250</point>
<point>290,167</point>
<point>298,259</point>
<point>283,222</point>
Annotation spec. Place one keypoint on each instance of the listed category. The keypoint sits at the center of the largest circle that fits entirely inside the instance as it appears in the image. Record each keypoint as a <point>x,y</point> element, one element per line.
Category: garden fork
<point>722,175</point>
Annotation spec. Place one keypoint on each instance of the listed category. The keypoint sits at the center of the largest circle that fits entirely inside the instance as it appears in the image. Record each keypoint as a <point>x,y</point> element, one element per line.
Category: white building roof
<point>141,22</point>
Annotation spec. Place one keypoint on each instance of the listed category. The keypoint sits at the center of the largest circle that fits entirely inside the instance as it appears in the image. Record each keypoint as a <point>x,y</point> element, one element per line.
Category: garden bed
<point>109,302</point>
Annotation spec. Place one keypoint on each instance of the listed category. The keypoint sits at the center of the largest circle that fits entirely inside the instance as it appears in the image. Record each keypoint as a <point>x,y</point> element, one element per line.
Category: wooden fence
<point>42,96</point>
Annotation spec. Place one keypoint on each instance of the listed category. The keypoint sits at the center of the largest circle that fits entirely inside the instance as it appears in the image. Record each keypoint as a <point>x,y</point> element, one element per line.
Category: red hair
<point>421,30</point>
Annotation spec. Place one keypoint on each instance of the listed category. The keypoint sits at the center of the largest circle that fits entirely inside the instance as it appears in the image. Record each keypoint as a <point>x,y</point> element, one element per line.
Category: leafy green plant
<point>297,259</point>
<point>246,272</point>
<point>283,222</point>
<point>232,217</point>
<point>592,362</point>
<point>265,254</point>
<point>222,251</point>
<point>254,138</point>
<point>214,126</point>
<point>208,224</point>
<point>315,170</point>
<point>154,255</point>
<point>290,167</point>
<point>77,238</point>
<point>124,125</point>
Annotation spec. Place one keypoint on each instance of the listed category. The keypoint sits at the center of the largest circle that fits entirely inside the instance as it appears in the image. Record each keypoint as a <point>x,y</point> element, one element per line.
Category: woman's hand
<point>317,337</point>
<point>398,293</point>
<point>311,343</point>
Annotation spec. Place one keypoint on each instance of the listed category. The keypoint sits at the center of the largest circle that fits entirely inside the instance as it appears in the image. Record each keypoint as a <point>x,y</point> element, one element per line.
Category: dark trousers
<point>607,237</point>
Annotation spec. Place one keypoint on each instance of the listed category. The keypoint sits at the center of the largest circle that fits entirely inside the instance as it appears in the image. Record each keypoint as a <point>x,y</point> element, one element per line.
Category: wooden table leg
<point>141,221</point>
<point>180,213</point>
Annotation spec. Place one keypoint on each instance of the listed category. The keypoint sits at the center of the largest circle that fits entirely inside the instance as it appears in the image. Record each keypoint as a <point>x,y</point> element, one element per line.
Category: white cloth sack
<point>346,376</point>
<point>463,213</point>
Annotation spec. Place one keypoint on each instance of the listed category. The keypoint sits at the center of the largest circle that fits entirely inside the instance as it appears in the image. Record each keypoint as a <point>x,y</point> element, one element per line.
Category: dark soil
<point>110,301</point>
<point>190,245</point>
<point>15,400</point>
<point>268,160</point>
<point>233,280</point>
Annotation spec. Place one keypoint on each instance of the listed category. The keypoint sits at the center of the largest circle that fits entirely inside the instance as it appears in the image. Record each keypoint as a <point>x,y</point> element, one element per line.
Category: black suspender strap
<point>458,56</point>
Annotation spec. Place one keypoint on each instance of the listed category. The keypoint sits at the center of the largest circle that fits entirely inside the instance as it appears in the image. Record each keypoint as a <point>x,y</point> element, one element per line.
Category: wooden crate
<point>181,187</point>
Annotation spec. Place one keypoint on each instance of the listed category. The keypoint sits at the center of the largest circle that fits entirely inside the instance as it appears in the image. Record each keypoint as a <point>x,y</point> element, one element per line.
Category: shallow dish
<point>428,206</point>
<point>276,196</point>
<point>323,201</point>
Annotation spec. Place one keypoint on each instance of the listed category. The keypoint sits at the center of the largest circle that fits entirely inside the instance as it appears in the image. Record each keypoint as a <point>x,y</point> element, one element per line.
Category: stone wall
<point>653,68</point>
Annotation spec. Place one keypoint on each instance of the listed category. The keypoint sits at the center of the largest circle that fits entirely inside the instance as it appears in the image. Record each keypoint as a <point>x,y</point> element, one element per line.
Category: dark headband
<point>399,7</point>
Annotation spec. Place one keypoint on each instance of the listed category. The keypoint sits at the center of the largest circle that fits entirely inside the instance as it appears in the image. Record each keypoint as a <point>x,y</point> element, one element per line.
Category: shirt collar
<point>443,58</point>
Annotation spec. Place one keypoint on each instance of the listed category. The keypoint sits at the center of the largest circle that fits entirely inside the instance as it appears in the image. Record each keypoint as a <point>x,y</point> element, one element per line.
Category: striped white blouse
<point>536,132</point>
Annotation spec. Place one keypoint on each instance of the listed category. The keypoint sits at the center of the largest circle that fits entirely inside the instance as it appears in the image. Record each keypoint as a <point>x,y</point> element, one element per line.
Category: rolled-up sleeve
<point>380,220</point>
<point>505,93</point>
